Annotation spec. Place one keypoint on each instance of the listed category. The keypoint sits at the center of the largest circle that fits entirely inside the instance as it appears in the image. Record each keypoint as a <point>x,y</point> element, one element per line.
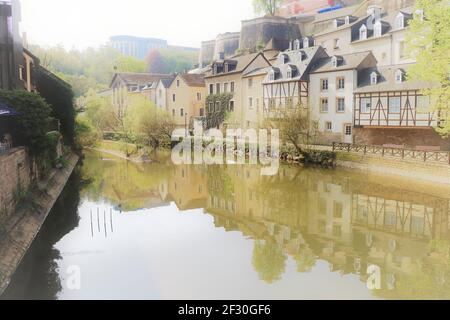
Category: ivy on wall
<point>217,108</point>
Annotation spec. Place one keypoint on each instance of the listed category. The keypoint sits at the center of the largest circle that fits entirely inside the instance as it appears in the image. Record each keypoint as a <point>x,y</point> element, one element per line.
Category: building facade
<point>186,99</point>
<point>227,76</point>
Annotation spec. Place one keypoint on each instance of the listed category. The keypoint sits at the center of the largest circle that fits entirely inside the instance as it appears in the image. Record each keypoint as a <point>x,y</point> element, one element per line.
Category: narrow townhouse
<point>161,95</point>
<point>226,76</point>
<point>186,99</point>
<point>332,84</point>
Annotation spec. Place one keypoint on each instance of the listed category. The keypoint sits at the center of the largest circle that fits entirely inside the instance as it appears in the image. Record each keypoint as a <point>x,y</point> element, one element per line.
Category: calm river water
<point>159,231</point>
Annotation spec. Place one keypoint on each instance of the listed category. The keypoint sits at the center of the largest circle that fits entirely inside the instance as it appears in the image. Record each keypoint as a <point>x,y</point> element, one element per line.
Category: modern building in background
<point>11,51</point>
<point>135,46</point>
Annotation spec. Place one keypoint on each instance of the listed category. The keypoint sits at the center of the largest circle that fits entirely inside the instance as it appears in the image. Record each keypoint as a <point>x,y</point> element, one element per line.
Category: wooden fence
<point>442,157</point>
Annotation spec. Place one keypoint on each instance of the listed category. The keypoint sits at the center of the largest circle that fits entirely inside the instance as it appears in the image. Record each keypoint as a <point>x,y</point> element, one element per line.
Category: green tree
<point>267,7</point>
<point>153,126</point>
<point>269,261</point>
<point>100,112</point>
<point>429,43</point>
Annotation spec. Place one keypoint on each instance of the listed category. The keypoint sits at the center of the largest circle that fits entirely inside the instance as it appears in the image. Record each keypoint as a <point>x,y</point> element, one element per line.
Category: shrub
<point>33,122</point>
<point>326,159</point>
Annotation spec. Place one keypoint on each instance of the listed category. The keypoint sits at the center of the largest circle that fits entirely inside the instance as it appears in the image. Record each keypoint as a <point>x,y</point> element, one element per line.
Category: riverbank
<point>22,227</point>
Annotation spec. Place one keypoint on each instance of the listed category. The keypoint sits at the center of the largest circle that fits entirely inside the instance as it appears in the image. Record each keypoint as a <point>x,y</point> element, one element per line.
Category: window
<point>173,112</point>
<point>348,130</point>
<point>217,106</point>
<point>400,21</point>
<point>347,20</point>
<point>178,83</point>
<point>225,87</point>
<point>374,78</point>
<point>423,104</point>
<point>336,43</point>
<point>340,102</point>
<point>340,83</point>
<point>297,44</point>
<point>303,55</point>
<point>306,43</point>
<point>250,103</point>
<point>324,84</point>
<point>231,106</point>
<point>399,76</point>
<point>366,105</point>
<point>211,107</point>
<point>328,126</point>
<point>394,104</point>
<point>363,32</point>
<point>199,96</point>
<point>377,29</point>
<point>289,73</point>
<point>232,87</point>
<point>211,89</point>
<point>338,210</point>
<point>271,75</point>
<point>284,58</point>
<point>257,104</point>
<point>174,97</point>
<point>218,88</point>
<point>334,62</point>
<point>250,82</point>
<point>202,112</point>
<point>324,105</point>
<point>182,112</point>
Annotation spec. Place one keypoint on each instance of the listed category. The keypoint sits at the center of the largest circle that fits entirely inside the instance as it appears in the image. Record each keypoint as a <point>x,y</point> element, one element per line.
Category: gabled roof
<point>386,80</point>
<point>241,62</point>
<point>139,78</point>
<point>167,82</point>
<point>349,62</point>
<point>193,80</point>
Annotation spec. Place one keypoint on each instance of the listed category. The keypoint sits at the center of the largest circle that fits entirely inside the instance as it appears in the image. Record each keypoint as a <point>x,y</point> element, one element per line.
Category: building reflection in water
<point>353,222</point>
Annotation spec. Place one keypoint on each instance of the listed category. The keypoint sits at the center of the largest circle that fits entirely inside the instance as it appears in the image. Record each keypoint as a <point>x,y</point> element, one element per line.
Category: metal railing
<point>442,157</point>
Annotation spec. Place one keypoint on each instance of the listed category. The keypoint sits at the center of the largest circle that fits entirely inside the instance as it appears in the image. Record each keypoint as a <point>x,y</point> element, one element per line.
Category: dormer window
<point>400,21</point>
<point>225,67</point>
<point>334,62</point>
<point>336,23</point>
<point>363,32</point>
<point>297,44</point>
<point>347,20</point>
<point>373,78</point>
<point>399,76</point>
<point>303,55</point>
<point>377,29</point>
<point>289,73</point>
<point>306,42</point>
<point>284,58</point>
<point>272,75</point>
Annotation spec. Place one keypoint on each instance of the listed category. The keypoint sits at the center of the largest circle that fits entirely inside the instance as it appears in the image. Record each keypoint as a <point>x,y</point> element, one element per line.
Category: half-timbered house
<point>390,110</point>
<point>286,84</point>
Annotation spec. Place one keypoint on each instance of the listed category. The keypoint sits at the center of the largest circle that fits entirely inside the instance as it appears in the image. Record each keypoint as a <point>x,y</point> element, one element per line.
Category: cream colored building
<point>161,93</point>
<point>186,99</point>
<point>331,88</point>
<point>227,76</point>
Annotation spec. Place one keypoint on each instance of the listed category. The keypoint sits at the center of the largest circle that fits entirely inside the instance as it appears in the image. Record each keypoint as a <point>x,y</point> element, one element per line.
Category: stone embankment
<point>22,226</point>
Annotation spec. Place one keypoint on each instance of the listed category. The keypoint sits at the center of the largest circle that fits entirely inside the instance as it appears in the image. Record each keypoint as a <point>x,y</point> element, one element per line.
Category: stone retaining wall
<point>14,175</point>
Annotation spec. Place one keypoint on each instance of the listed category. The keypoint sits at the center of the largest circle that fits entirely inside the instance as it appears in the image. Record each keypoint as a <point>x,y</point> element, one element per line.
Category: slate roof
<point>347,62</point>
<point>140,78</point>
<point>296,64</point>
<point>193,80</point>
<point>241,62</point>
<point>386,80</point>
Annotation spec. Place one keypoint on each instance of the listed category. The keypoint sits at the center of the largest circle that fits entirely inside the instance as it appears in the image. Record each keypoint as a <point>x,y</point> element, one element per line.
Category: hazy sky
<point>82,23</point>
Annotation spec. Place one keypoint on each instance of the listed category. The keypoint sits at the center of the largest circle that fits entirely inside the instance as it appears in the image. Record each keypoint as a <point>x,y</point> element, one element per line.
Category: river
<point>158,231</point>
